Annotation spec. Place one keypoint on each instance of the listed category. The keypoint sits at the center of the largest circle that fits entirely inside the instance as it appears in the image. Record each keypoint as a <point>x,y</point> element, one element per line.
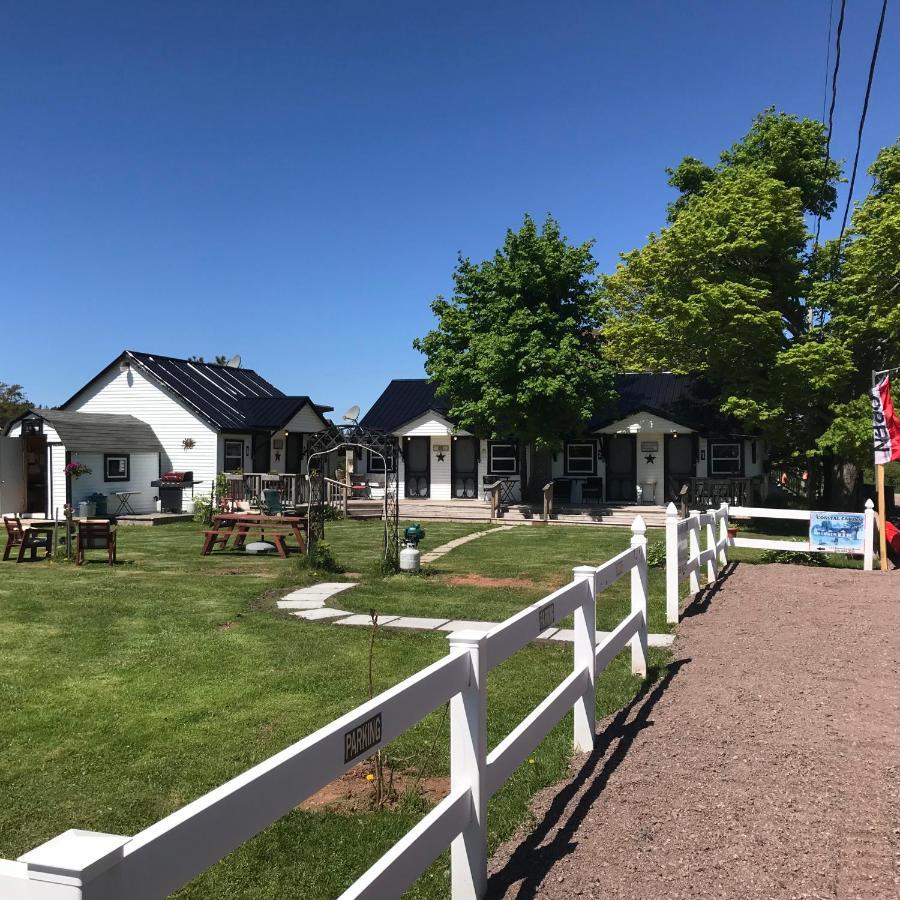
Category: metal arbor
<point>379,443</point>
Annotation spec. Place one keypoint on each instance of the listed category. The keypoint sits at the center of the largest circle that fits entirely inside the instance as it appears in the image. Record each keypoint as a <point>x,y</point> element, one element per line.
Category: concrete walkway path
<point>311,604</point>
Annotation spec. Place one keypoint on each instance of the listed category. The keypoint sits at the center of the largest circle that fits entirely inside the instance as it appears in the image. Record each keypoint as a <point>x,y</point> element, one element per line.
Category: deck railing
<point>83,865</point>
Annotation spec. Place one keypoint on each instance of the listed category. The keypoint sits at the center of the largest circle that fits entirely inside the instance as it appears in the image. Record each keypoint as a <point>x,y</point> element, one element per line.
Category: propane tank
<point>410,559</point>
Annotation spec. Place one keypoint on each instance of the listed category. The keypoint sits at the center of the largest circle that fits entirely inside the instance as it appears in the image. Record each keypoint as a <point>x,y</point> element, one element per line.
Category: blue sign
<point>835,532</point>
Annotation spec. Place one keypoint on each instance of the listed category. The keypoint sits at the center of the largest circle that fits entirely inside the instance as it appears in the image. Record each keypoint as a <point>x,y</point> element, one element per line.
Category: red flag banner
<point>885,425</point>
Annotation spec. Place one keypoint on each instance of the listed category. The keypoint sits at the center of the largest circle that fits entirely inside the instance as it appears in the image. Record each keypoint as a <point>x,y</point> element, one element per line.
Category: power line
<point>827,61</point>
<point>862,120</point>
<point>834,81</point>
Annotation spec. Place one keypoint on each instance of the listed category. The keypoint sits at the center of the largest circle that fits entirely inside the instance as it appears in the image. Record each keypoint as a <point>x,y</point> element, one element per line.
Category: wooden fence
<point>84,865</point>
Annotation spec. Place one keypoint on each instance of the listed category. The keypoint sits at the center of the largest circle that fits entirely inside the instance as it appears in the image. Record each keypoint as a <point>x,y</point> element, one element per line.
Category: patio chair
<point>359,487</point>
<point>271,502</point>
<point>95,535</point>
<point>24,539</point>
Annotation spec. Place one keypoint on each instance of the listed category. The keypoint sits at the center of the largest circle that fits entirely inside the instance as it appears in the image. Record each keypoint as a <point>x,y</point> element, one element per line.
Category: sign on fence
<point>836,532</point>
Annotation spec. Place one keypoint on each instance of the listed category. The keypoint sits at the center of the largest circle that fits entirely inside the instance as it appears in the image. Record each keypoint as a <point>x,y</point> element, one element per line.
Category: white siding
<point>645,422</point>
<point>16,430</point>
<point>703,453</point>
<point>440,469</point>
<point>49,433</point>
<point>133,393</point>
<point>144,468</point>
<point>651,471</point>
<point>426,425</point>
<point>305,421</point>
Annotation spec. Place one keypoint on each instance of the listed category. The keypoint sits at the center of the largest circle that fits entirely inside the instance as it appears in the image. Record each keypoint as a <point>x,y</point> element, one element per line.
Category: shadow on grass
<point>530,863</point>
<point>701,603</point>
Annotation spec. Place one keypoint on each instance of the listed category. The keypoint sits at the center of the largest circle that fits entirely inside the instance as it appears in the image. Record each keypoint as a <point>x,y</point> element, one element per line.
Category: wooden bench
<point>276,528</point>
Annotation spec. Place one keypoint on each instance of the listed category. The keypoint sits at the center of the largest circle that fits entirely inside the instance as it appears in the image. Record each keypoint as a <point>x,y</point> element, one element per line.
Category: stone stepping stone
<point>418,622</point>
<point>301,604</point>
<point>365,620</point>
<point>466,625</point>
<point>324,612</point>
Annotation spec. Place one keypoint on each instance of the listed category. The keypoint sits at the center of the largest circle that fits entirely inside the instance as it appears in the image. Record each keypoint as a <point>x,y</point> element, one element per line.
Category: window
<point>116,467</point>
<point>503,459</point>
<point>376,462</point>
<point>581,458</point>
<point>724,459</point>
<point>234,456</point>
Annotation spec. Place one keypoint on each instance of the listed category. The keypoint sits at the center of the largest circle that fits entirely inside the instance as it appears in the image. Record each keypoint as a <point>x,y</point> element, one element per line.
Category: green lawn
<point>127,692</point>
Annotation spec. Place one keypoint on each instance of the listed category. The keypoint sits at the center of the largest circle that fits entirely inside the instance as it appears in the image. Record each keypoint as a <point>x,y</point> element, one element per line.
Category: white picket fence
<point>685,558</point>
<point>84,865</point>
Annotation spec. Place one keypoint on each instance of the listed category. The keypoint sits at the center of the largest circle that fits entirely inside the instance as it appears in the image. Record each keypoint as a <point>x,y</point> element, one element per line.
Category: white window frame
<point>577,471</point>
<point>512,455</point>
<point>376,463</point>
<point>713,446</point>
<point>226,454</point>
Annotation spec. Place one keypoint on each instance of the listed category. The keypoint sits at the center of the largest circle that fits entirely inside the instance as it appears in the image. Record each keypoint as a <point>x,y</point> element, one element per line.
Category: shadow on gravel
<point>530,863</point>
<point>701,603</point>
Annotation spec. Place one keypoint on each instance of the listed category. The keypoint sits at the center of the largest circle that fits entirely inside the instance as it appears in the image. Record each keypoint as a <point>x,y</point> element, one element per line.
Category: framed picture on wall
<point>278,444</point>
<point>649,446</point>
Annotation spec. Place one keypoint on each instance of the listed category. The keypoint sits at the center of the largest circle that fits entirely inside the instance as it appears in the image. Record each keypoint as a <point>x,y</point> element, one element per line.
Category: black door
<point>417,460</point>
<point>293,452</point>
<point>464,468</point>
<point>678,463</point>
<point>621,468</point>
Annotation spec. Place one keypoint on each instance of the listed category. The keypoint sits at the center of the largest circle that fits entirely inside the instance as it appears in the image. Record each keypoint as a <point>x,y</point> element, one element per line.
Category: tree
<point>12,403</point>
<point>858,294</point>
<point>723,289</point>
<point>514,353</point>
<point>219,360</point>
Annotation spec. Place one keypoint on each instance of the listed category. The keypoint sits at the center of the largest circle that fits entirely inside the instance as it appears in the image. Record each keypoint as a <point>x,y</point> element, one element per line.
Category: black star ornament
<point>650,459</point>
<point>440,457</point>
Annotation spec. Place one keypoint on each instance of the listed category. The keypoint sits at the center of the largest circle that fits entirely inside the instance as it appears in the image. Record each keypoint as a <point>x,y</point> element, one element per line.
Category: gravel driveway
<point>764,764</point>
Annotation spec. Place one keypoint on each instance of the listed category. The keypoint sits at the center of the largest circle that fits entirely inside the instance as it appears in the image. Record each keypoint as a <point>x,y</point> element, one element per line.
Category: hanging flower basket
<point>76,470</point>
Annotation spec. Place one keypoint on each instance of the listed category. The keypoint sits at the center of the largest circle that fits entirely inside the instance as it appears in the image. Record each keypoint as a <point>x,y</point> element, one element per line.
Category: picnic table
<point>241,525</point>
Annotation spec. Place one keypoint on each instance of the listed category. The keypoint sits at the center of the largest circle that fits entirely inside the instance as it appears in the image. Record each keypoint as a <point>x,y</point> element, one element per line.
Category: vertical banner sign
<point>885,425</point>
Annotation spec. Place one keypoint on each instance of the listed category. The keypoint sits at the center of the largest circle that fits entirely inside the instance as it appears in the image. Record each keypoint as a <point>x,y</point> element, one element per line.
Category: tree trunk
<point>842,484</point>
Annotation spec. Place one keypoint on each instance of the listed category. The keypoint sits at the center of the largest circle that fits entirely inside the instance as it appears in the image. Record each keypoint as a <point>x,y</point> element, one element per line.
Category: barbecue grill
<point>171,486</point>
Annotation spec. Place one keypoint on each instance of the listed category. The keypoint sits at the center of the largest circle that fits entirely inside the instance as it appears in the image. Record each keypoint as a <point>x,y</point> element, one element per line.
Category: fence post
<point>585,650</point>
<point>72,860</point>
<point>723,533</point>
<point>869,537</point>
<point>672,563</point>
<point>694,551</point>
<point>468,764</point>
<point>639,597</point>
<point>712,565</point>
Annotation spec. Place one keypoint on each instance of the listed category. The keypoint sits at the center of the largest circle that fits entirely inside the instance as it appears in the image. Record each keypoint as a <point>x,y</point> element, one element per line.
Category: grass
<point>127,692</point>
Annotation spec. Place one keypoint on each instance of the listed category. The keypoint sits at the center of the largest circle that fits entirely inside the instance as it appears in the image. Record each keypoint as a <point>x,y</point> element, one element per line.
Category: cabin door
<point>678,464</point>
<point>621,468</point>
<point>464,468</point>
<point>417,466</point>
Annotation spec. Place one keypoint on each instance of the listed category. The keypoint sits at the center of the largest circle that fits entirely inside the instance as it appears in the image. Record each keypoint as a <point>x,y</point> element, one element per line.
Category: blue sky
<point>292,181</point>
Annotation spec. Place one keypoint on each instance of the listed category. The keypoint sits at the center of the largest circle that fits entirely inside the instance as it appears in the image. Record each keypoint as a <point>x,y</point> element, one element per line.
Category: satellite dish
<point>352,414</point>
<point>234,362</point>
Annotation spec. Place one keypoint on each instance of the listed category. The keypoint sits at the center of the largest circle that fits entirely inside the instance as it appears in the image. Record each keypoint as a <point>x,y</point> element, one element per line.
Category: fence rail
<point>82,865</point>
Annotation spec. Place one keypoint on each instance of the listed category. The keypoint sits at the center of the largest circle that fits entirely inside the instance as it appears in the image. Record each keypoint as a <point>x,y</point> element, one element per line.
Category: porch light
<point>124,365</point>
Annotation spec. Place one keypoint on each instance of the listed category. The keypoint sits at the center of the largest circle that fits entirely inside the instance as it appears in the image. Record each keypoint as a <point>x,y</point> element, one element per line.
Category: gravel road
<point>764,764</point>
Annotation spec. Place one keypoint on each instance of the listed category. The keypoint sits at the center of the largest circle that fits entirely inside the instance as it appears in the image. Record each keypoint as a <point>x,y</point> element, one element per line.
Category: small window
<point>581,458</point>
<point>725,459</point>
<point>503,459</point>
<point>116,467</point>
<point>377,462</point>
<point>234,456</point>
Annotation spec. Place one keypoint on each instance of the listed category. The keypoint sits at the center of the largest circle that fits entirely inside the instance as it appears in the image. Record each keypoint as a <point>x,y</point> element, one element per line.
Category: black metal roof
<point>230,399</point>
<point>100,432</point>
<point>403,400</point>
<point>685,399</point>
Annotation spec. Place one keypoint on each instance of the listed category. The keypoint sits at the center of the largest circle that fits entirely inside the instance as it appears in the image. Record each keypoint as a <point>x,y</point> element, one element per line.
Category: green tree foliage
<point>858,294</point>
<point>514,352</point>
<point>12,403</point>
<point>721,291</point>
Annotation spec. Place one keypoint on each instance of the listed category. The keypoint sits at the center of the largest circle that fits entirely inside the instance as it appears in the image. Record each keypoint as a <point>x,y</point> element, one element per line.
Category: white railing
<point>684,558</point>
<point>84,865</point>
<point>801,515</point>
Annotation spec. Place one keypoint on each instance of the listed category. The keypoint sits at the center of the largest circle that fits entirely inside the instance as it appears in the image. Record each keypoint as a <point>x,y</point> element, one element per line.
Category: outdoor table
<point>507,486</point>
<point>240,525</point>
<point>124,498</point>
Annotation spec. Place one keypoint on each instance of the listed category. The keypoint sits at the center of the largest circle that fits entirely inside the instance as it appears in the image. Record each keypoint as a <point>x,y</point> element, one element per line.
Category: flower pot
<point>732,533</point>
